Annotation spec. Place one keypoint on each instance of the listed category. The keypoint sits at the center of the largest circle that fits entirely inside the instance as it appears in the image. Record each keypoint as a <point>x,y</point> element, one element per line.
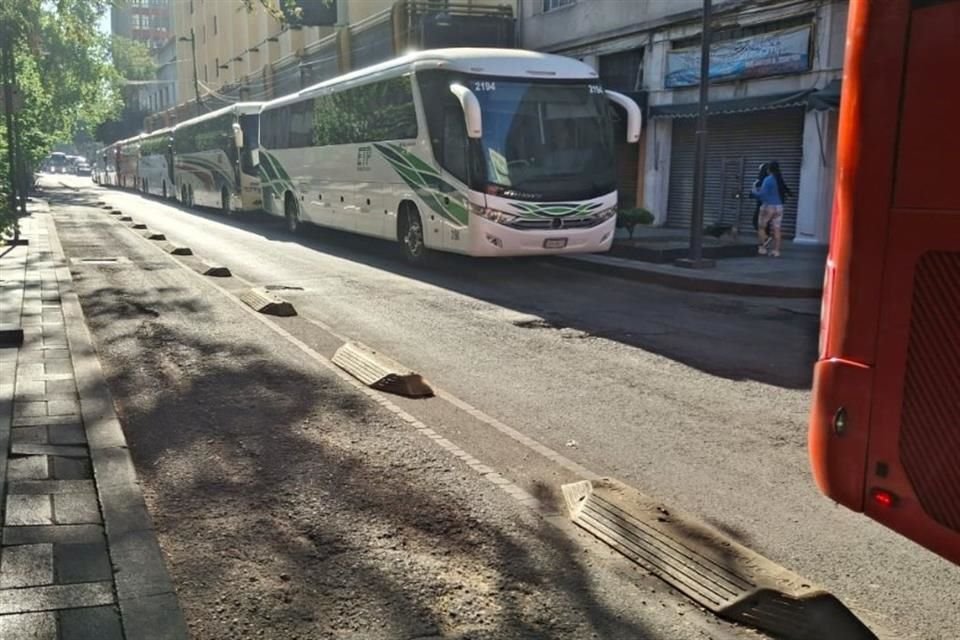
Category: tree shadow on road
<point>287,502</point>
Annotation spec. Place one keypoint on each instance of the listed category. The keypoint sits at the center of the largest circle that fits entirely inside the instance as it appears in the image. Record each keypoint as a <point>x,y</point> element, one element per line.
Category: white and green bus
<point>484,152</point>
<point>155,168</point>
<point>214,159</point>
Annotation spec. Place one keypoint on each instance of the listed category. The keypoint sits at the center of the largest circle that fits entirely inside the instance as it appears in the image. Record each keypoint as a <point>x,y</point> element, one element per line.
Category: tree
<point>63,76</point>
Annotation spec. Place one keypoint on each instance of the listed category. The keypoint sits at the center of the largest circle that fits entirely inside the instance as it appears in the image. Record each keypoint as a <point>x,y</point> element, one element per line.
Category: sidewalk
<point>79,556</point>
<point>797,274</point>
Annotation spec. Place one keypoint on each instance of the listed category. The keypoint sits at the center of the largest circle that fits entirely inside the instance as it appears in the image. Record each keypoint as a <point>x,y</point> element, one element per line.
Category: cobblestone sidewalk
<point>79,556</point>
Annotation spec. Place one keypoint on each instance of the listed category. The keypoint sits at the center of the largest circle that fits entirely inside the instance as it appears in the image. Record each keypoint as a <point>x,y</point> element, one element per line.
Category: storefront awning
<point>826,98</point>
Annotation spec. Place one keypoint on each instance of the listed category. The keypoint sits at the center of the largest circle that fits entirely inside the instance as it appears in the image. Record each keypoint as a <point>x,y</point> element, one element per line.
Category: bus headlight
<point>606,214</point>
<point>500,217</point>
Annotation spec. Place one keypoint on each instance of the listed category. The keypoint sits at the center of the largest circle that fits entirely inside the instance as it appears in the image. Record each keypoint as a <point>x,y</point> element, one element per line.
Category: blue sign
<point>769,54</point>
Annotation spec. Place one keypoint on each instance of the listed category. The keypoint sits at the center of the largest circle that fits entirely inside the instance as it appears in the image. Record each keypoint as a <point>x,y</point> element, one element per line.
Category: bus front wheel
<point>291,214</point>
<point>411,236</point>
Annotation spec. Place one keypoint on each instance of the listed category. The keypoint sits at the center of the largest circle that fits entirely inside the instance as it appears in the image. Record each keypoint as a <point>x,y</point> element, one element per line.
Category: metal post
<point>196,81</point>
<point>695,258</point>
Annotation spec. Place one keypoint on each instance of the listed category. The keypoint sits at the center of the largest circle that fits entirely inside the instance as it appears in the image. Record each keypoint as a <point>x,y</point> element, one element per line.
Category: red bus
<point>885,427</point>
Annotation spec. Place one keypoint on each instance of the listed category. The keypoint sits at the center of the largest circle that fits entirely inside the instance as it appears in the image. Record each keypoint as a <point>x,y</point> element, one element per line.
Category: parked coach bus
<point>155,168</point>
<point>128,160</point>
<point>485,152</point>
<point>214,159</point>
<point>885,426</point>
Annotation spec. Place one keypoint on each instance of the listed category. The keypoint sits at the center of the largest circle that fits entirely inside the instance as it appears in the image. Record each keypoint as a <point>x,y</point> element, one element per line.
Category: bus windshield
<point>542,139</point>
<point>536,135</point>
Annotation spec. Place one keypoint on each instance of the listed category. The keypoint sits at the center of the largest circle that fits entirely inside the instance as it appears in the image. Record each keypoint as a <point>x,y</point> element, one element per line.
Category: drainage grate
<point>101,260</point>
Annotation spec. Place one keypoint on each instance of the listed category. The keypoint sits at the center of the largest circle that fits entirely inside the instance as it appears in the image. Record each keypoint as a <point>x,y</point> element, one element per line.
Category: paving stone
<point>63,407</point>
<point>105,432</point>
<point>30,370</point>
<point>140,567</point>
<point>66,596</point>
<point>30,388</point>
<point>29,467</point>
<point>29,626</point>
<point>81,562</point>
<point>114,467</point>
<point>92,623</point>
<point>153,618</point>
<point>58,367</point>
<point>29,510</point>
<point>76,508</point>
<point>56,533</point>
<point>29,435</point>
<point>48,450</point>
<point>70,468</point>
<point>28,565</point>
<point>29,409</point>
<point>61,387</point>
<point>66,434</point>
<point>37,487</point>
<point>30,421</point>
<point>124,509</point>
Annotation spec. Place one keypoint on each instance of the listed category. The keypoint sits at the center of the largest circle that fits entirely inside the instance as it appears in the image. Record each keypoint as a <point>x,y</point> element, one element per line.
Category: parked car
<point>83,169</point>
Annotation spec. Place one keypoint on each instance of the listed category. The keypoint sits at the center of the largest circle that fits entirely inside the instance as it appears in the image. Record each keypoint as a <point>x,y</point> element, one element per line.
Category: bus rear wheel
<point>291,214</point>
<point>411,239</point>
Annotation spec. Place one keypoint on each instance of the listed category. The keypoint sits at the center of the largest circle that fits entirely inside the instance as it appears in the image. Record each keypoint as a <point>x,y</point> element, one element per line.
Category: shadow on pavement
<point>285,502</point>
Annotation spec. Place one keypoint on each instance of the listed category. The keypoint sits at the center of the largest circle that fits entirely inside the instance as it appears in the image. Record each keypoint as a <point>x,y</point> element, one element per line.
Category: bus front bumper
<point>488,238</point>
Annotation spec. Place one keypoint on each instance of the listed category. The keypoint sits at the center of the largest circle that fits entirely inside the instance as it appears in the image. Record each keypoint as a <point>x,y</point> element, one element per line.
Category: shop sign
<point>786,51</point>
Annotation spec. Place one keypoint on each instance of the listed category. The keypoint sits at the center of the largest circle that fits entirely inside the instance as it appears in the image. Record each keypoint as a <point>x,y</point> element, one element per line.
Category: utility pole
<point>193,53</point>
<point>695,259</point>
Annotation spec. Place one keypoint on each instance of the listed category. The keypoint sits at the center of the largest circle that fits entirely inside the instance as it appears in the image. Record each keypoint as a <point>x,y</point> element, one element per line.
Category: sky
<point>104,25</point>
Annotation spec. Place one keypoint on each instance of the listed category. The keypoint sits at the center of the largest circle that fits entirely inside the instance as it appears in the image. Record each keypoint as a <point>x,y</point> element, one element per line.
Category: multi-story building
<point>225,53</point>
<point>775,80</point>
<point>146,21</point>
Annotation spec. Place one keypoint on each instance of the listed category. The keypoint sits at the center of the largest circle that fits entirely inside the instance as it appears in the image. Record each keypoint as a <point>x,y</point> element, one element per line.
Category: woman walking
<point>771,194</point>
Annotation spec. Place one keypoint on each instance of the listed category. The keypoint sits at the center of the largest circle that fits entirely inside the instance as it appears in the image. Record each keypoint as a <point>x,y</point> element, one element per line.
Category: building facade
<point>225,54</point>
<point>775,81</point>
<point>146,21</point>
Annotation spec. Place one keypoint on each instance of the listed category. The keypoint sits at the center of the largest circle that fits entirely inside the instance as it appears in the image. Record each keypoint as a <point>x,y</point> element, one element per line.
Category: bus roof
<point>238,108</point>
<point>516,63</point>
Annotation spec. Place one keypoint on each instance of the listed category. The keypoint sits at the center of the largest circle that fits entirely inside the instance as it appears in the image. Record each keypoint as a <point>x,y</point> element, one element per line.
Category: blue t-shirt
<point>769,192</point>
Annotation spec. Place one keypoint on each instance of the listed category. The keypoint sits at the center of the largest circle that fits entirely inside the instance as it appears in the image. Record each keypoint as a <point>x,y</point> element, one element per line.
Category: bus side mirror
<point>471,110</point>
<point>634,116</point>
<point>237,135</point>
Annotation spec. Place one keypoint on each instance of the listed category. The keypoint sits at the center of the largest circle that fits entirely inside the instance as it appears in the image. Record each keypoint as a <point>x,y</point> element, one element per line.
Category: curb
<point>637,273</point>
<point>145,595</point>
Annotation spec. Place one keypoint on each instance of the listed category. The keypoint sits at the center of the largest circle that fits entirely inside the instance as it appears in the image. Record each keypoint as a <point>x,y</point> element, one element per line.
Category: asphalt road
<point>699,400</point>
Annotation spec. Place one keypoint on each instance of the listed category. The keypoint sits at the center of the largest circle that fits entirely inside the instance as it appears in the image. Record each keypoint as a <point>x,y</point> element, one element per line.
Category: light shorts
<point>772,213</point>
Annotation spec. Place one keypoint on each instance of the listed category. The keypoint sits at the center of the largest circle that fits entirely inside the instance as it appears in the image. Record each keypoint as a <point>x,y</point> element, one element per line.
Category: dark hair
<point>774,169</point>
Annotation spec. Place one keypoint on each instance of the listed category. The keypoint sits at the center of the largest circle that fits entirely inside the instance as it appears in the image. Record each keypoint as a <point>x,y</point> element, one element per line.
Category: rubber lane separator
<point>707,566</point>
<point>377,371</point>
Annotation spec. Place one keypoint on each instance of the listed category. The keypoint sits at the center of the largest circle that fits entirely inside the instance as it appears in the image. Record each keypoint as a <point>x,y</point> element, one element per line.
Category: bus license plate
<point>554,243</point>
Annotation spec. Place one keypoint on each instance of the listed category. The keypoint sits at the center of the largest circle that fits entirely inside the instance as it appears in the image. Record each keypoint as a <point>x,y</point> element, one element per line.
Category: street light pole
<point>193,53</point>
<point>695,259</point>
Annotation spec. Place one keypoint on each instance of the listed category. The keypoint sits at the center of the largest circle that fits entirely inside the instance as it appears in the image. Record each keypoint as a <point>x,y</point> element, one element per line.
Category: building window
<point>735,32</point>
<point>622,71</point>
<point>550,5</point>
